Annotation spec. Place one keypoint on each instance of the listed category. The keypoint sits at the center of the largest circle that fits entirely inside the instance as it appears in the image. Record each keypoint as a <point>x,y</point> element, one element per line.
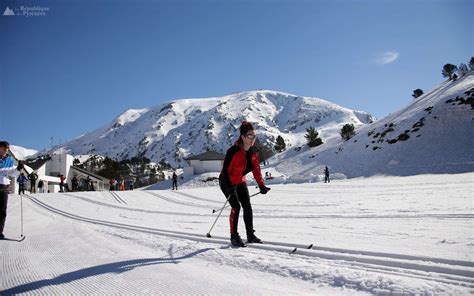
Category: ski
<point>296,249</point>
<point>14,240</point>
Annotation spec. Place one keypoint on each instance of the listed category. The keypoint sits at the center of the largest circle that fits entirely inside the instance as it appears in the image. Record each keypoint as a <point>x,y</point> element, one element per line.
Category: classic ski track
<point>27,280</point>
<point>305,206</point>
<point>118,197</point>
<point>259,215</point>
<point>410,263</point>
<point>136,209</point>
<point>176,201</point>
<point>198,198</point>
<point>115,197</point>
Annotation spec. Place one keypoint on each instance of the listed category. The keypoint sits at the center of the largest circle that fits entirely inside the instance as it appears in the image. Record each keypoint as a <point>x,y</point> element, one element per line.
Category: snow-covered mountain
<point>180,128</point>
<point>433,134</point>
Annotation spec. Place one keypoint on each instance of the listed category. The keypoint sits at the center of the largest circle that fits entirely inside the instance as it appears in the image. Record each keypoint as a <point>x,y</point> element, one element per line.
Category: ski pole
<point>21,206</point>
<point>214,210</point>
<point>226,201</point>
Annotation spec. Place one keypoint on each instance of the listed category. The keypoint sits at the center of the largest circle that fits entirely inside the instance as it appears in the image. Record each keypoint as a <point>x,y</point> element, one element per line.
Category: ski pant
<point>3,206</point>
<point>175,184</point>
<point>33,187</point>
<point>21,188</point>
<point>239,197</point>
<point>326,179</point>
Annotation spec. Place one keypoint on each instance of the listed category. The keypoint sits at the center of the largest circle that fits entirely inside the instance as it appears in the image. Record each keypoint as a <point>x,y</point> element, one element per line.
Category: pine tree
<point>312,137</point>
<point>280,144</point>
<point>462,69</point>
<point>417,92</point>
<point>448,70</point>
<point>471,64</point>
<point>347,131</point>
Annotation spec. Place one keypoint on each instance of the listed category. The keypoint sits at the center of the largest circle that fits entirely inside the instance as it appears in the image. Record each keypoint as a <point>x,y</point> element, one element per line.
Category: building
<point>49,168</point>
<point>207,162</point>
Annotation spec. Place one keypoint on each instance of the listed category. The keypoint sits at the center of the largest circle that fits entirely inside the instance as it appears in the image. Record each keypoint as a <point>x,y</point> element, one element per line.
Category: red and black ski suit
<point>232,180</point>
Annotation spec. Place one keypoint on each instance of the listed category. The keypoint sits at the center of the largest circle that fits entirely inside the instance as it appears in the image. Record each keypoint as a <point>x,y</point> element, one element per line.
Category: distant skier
<point>88,184</point>
<point>75,183</point>
<point>33,177</point>
<point>7,170</point>
<point>40,186</point>
<point>326,175</point>
<point>130,185</point>
<point>61,184</point>
<point>175,181</point>
<point>22,180</point>
<point>241,159</point>
<point>111,184</point>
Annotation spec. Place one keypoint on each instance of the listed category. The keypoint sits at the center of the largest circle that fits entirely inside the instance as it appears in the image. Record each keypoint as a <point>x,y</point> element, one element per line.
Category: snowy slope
<point>180,128</point>
<point>384,236</point>
<point>21,152</point>
<point>434,134</point>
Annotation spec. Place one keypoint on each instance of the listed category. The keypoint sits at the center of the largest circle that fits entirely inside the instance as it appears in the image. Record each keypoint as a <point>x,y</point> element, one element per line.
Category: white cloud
<point>386,57</point>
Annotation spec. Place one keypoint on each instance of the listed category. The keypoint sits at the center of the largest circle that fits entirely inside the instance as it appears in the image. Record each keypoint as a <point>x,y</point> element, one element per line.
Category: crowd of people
<point>120,185</point>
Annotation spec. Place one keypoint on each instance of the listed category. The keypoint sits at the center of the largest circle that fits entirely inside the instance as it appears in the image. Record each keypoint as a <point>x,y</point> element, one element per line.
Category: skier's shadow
<point>116,267</point>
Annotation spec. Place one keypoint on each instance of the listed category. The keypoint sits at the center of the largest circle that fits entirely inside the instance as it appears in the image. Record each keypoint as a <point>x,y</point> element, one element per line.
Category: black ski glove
<point>264,189</point>
<point>20,166</point>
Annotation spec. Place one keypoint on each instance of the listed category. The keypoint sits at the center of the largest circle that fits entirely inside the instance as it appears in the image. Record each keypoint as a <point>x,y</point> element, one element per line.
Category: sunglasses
<point>251,137</point>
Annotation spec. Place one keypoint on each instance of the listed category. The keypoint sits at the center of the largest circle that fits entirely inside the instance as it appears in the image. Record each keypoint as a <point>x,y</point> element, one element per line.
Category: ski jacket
<point>7,169</point>
<point>236,167</point>
<point>22,180</point>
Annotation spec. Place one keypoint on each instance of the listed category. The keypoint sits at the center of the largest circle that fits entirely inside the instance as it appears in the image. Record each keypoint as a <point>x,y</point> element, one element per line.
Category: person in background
<point>33,177</point>
<point>7,170</point>
<point>61,183</point>
<point>175,181</point>
<point>326,175</point>
<point>74,183</point>
<point>22,180</point>
<point>88,183</point>
<point>40,186</point>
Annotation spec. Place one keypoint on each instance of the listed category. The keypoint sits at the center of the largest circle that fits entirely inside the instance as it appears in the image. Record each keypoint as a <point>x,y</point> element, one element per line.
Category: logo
<point>26,11</point>
<point>8,11</point>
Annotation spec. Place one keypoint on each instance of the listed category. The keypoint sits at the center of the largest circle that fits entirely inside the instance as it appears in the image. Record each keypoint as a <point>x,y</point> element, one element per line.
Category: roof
<point>208,155</point>
<point>88,173</point>
<point>37,163</point>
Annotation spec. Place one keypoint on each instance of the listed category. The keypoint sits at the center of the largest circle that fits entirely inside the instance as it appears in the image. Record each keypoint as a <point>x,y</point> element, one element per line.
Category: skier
<point>88,184</point>
<point>61,184</point>
<point>75,183</point>
<point>7,170</point>
<point>33,177</point>
<point>40,186</point>
<point>175,181</point>
<point>241,159</point>
<point>22,180</point>
<point>326,175</point>
<point>130,185</point>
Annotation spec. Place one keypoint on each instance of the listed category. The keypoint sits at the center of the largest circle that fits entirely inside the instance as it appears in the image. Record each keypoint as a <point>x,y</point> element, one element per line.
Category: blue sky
<point>85,62</point>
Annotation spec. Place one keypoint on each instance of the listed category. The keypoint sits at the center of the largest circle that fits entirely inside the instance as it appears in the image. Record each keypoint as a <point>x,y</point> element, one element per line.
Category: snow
<point>22,153</point>
<point>381,235</point>
<point>442,142</point>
